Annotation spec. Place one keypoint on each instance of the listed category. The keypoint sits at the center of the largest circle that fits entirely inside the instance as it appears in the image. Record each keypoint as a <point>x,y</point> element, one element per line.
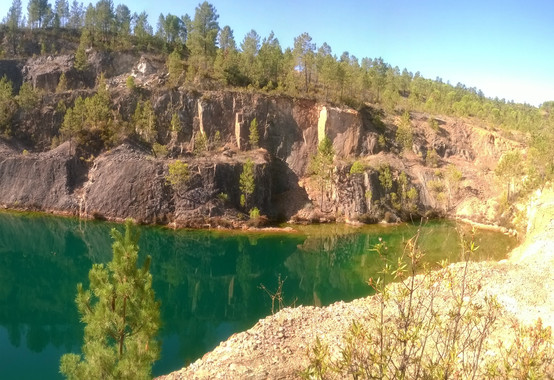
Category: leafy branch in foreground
<point>121,317</point>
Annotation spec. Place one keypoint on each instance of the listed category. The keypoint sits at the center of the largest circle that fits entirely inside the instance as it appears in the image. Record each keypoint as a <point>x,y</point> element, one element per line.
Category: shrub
<point>434,124</point>
<point>160,151</point>
<point>254,136</point>
<point>254,213</point>
<point>178,174</point>
<point>404,135</point>
<point>200,143</point>
<point>432,158</point>
<point>224,197</point>
<point>62,84</point>
<point>357,168</point>
<point>412,332</point>
<point>28,97</point>
<point>130,83</point>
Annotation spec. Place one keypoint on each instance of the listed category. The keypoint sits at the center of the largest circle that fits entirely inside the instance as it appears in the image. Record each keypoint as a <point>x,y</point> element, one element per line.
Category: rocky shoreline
<point>277,346</point>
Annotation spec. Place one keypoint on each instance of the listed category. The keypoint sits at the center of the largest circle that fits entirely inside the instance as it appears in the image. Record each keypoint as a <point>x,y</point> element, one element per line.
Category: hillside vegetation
<point>65,50</point>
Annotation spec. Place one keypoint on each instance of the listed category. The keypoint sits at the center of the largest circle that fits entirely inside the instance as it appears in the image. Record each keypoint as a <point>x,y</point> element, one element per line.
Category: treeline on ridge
<point>202,55</point>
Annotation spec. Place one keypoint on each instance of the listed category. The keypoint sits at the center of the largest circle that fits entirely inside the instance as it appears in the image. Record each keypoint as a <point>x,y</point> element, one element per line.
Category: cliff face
<point>129,182</point>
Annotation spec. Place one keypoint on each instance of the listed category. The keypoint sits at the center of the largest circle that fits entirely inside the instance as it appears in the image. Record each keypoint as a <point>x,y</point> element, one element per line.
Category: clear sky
<point>503,47</point>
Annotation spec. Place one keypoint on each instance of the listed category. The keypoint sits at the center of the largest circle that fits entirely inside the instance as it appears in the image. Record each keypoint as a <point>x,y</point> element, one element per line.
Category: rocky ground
<point>276,347</point>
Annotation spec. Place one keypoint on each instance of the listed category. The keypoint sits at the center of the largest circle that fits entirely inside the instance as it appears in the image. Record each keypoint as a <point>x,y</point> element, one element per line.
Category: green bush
<point>254,213</point>
<point>178,174</point>
<point>357,168</point>
<point>130,83</point>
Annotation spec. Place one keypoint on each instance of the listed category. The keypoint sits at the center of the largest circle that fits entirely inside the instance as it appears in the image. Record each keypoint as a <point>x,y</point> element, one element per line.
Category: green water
<point>208,282</point>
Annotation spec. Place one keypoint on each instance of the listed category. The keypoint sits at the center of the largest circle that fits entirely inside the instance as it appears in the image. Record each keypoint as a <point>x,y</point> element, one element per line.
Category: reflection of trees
<point>207,282</point>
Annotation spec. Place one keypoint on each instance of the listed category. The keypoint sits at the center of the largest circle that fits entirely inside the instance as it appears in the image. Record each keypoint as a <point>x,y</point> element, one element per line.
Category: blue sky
<point>505,48</point>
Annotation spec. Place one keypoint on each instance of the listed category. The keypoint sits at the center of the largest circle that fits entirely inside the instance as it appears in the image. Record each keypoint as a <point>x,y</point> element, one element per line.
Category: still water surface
<point>208,282</point>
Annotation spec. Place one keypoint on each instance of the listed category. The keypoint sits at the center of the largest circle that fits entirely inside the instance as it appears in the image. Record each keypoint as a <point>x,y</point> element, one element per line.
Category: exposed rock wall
<point>40,183</point>
<point>12,69</point>
<point>289,132</point>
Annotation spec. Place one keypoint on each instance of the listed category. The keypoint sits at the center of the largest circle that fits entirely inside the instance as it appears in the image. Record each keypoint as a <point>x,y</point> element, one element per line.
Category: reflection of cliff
<point>208,283</point>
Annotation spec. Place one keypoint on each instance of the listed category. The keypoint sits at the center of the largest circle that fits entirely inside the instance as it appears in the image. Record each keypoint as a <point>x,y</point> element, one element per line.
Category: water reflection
<point>208,283</point>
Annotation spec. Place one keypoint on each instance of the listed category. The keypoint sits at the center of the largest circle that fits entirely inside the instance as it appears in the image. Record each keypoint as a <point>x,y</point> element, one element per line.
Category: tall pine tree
<point>121,317</point>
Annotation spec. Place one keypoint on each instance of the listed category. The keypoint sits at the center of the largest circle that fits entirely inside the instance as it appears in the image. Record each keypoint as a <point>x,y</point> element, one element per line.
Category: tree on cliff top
<point>121,316</point>
<point>13,23</point>
<point>203,30</point>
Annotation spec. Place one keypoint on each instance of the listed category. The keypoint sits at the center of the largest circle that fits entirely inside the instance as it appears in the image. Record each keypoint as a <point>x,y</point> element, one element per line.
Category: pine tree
<point>80,62</point>
<point>175,68</point>
<point>62,11</point>
<point>254,137</point>
<point>175,123</point>
<point>246,182</point>
<point>13,23</point>
<point>7,105</point>
<point>121,315</point>
<point>28,97</point>
<point>201,39</point>
<point>321,166</point>
<point>75,15</point>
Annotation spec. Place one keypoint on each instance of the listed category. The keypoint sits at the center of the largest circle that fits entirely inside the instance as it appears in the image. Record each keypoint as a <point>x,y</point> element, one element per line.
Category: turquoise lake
<point>209,283</point>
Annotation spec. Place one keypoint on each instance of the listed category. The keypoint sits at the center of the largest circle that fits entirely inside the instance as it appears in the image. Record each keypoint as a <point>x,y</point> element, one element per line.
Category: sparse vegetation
<point>404,134</point>
<point>62,84</point>
<point>200,143</point>
<point>254,213</point>
<point>28,97</point>
<point>253,136</point>
<point>321,167</point>
<point>178,174</point>
<point>509,169</point>
<point>432,158</point>
<point>246,182</point>
<point>159,150</point>
<point>144,119</point>
<point>413,333</point>
<point>357,168</point>
<point>130,83</point>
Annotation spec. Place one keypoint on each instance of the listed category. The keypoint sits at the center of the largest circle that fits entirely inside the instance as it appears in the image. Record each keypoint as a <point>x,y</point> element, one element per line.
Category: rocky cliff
<point>128,181</point>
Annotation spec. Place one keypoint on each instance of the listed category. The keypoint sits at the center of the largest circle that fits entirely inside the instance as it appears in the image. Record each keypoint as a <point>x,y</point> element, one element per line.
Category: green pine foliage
<point>121,317</point>
<point>80,63</point>
<point>404,134</point>
<point>178,174</point>
<point>321,167</point>
<point>357,168</point>
<point>175,69</point>
<point>254,136</point>
<point>175,123</point>
<point>509,168</point>
<point>130,83</point>
<point>247,184</point>
<point>200,143</point>
<point>90,115</point>
<point>144,119</point>
<point>203,55</point>
<point>8,105</point>
<point>28,97</point>
<point>62,84</point>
